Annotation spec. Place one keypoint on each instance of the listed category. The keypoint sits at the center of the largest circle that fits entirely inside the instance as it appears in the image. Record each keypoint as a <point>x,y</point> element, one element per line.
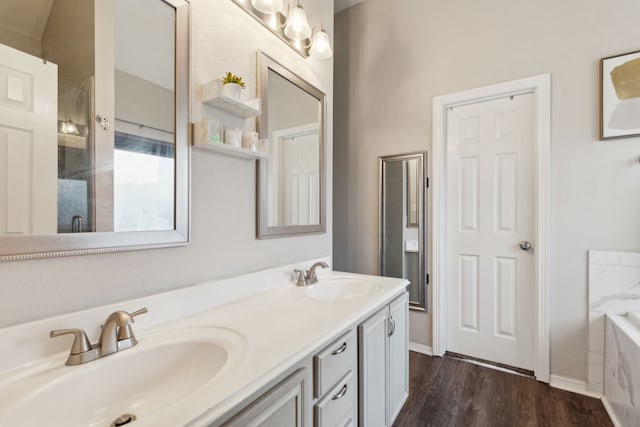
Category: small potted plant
<point>232,86</point>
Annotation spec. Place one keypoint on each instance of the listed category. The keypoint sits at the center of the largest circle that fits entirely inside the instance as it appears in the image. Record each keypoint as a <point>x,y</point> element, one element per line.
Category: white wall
<point>223,195</point>
<point>392,58</point>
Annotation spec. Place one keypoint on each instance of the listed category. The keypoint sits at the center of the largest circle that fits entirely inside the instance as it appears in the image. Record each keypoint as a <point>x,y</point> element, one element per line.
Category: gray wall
<point>224,38</point>
<point>392,58</point>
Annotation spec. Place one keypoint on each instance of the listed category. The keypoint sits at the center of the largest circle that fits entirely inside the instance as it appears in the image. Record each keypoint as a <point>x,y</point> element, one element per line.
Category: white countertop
<point>282,327</point>
<point>279,327</point>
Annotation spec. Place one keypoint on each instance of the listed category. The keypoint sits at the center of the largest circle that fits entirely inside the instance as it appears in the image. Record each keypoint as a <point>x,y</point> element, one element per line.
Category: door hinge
<point>427,182</point>
<point>427,278</point>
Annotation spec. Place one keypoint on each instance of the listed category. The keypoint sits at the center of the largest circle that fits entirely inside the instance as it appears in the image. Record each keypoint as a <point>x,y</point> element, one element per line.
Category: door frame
<point>540,86</point>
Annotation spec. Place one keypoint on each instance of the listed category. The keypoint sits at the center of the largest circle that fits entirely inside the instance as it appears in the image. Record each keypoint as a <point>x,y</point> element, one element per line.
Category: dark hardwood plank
<point>445,392</point>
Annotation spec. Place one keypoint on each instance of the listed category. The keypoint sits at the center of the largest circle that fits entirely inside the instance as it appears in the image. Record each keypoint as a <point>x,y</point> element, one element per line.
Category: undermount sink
<point>339,288</point>
<point>163,370</point>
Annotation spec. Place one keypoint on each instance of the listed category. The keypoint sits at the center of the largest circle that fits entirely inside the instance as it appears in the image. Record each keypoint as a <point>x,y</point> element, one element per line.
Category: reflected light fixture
<point>320,45</point>
<point>68,127</point>
<point>267,6</point>
<point>297,26</point>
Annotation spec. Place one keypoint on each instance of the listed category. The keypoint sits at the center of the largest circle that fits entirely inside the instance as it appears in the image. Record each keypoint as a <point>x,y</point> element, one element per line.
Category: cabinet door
<point>398,356</point>
<point>282,406</point>
<point>372,355</point>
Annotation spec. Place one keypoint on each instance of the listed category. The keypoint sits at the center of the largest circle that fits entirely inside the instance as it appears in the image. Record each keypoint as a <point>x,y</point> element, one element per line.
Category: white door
<point>28,144</point>
<point>301,179</point>
<point>490,211</point>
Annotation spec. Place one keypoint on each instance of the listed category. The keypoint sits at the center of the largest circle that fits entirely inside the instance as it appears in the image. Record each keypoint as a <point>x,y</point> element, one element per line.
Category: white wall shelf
<point>230,150</point>
<point>211,95</point>
<point>237,108</point>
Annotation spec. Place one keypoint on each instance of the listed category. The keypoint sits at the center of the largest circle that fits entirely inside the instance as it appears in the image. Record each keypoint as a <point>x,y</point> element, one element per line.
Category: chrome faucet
<point>311,275</point>
<point>116,335</point>
<point>306,278</point>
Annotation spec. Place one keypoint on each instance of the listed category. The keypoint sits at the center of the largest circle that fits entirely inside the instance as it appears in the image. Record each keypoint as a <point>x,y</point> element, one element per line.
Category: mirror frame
<point>264,230</point>
<point>422,220</point>
<point>14,248</point>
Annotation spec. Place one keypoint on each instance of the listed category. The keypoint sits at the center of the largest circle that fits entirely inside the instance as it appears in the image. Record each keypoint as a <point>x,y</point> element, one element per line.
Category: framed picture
<point>620,96</point>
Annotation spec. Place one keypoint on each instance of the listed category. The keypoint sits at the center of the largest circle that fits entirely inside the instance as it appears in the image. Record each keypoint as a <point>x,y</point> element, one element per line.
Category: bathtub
<point>622,369</point>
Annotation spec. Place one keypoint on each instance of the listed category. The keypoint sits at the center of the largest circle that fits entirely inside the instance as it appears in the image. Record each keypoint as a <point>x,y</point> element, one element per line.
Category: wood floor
<point>444,391</point>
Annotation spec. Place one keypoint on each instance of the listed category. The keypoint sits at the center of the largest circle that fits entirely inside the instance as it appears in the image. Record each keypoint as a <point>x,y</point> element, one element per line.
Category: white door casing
<point>540,87</point>
<point>28,144</point>
<point>490,282</point>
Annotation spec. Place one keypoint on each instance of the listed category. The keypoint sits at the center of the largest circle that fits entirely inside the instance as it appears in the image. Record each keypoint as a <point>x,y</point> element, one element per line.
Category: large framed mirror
<point>291,182</point>
<point>94,116</point>
<point>403,227</point>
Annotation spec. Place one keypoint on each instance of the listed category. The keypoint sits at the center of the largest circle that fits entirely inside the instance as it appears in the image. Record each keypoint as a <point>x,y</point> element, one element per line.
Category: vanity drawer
<point>334,362</point>
<point>336,408</point>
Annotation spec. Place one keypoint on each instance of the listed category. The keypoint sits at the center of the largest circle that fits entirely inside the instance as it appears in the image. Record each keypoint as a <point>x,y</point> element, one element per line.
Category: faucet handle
<point>125,332</point>
<point>302,277</point>
<point>139,312</point>
<point>81,343</point>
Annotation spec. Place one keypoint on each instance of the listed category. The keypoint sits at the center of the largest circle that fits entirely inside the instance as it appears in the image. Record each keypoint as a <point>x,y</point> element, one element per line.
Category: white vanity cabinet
<point>359,378</point>
<point>282,406</point>
<point>384,364</point>
<point>335,382</point>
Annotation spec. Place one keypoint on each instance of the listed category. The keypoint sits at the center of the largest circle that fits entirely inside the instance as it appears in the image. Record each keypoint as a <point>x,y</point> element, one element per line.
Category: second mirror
<point>291,189</point>
<point>403,223</point>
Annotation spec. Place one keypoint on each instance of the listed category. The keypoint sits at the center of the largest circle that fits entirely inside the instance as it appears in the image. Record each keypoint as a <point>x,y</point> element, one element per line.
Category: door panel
<point>28,146</point>
<point>398,356</point>
<point>489,211</point>
<point>468,292</point>
<point>372,367</point>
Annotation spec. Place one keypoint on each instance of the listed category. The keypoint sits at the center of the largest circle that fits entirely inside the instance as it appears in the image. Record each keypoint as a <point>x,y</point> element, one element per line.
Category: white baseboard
<point>420,348</point>
<point>614,419</point>
<point>573,385</point>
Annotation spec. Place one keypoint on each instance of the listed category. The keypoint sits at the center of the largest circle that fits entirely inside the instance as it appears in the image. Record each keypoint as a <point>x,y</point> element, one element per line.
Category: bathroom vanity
<point>251,350</point>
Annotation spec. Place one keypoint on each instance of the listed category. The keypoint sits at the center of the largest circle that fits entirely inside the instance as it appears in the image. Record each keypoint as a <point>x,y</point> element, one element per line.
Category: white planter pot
<point>232,90</point>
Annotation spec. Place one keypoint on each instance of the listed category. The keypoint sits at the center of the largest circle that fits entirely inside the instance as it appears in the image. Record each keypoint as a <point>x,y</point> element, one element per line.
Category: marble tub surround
<point>622,371</point>
<point>279,323</point>
<point>614,288</point>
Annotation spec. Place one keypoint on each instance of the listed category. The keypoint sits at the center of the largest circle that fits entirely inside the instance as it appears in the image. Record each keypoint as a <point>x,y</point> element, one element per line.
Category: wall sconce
<point>68,127</point>
<point>267,6</point>
<point>320,47</point>
<point>297,26</point>
<point>293,28</point>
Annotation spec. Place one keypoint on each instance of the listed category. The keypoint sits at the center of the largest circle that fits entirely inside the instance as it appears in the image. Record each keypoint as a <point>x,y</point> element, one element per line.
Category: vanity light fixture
<point>288,21</point>
<point>297,26</point>
<point>68,127</point>
<point>267,6</point>
<point>320,45</point>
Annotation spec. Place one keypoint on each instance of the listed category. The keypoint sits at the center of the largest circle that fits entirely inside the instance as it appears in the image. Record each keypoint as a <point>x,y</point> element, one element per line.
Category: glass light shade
<point>68,127</point>
<point>297,27</point>
<point>267,6</point>
<point>320,45</point>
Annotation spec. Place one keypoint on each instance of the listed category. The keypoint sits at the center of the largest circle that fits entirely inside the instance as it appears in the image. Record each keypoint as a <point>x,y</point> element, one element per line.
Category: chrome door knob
<point>525,246</point>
